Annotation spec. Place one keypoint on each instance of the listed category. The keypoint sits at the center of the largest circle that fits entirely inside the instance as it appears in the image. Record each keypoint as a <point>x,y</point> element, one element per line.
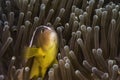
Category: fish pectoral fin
<point>43,72</point>
<point>31,52</point>
<point>34,70</point>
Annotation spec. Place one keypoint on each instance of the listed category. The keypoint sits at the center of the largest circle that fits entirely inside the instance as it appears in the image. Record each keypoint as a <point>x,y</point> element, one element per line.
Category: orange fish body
<point>43,49</point>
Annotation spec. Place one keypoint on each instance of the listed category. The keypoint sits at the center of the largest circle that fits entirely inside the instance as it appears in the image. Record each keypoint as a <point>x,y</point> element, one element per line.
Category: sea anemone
<point>88,31</point>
